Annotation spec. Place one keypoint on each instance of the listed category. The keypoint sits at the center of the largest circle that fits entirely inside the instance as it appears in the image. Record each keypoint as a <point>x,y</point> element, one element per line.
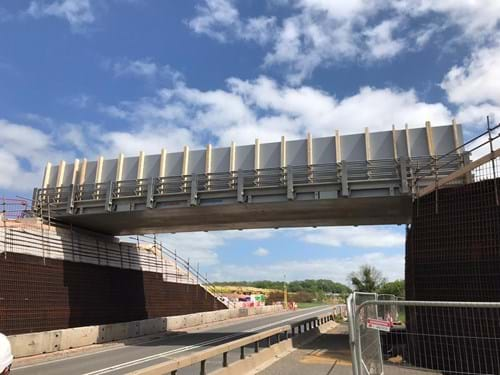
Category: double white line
<point>202,344</point>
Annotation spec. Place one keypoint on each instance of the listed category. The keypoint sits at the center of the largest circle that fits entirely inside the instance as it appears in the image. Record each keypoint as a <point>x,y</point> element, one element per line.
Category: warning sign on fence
<point>379,324</point>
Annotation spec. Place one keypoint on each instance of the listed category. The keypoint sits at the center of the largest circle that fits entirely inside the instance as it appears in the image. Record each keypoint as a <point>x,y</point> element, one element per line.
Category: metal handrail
<point>288,331</point>
<point>433,164</point>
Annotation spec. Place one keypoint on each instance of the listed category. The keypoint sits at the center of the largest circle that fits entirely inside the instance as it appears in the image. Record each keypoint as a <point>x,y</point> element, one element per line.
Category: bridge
<point>357,179</point>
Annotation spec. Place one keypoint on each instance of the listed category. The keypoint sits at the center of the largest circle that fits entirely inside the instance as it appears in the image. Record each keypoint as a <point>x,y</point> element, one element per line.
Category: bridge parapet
<point>321,170</point>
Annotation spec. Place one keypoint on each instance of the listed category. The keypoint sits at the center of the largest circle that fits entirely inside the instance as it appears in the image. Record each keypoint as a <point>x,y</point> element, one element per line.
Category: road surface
<point>124,359</point>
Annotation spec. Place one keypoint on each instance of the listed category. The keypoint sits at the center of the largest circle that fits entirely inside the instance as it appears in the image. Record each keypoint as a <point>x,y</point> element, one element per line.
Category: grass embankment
<point>305,305</point>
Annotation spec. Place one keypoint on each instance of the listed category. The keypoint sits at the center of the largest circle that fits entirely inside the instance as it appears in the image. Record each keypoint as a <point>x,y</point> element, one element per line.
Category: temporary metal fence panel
<point>445,337</point>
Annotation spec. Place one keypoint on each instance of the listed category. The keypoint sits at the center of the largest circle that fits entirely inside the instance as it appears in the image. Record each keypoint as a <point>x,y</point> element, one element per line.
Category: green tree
<point>396,287</point>
<point>366,279</point>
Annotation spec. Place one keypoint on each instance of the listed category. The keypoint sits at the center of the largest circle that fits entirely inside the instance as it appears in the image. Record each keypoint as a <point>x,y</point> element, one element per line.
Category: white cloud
<point>220,20</point>
<point>142,68</point>
<point>261,252</point>
<point>338,268</point>
<point>202,246</point>
<point>354,237</point>
<point>78,13</point>
<point>23,153</point>
<point>477,81</point>
<point>262,108</point>
<point>323,32</point>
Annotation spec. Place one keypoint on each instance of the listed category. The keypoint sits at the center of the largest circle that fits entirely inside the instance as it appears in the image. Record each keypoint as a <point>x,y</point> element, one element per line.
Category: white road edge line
<point>191,347</point>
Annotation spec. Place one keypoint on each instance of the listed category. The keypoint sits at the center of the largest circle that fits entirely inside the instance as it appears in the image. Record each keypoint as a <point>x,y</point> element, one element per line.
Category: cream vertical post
<point>46,175</point>
<point>309,150</point>
<point>140,173</point>
<point>257,161</point>
<point>456,137</point>
<point>185,165</point>
<point>163,170</point>
<point>408,140</point>
<point>368,151</point>
<point>368,148</point>
<point>394,143</point>
<point>208,165</point>
<point>232,165</point>
<point>81,180</point>
<point>60,178</point>
<point>98,177</point>
<point>283,160</point>
<point>76,171</point>
<point>338,147</point>
<point>119,172</point>
<point>430,140</point>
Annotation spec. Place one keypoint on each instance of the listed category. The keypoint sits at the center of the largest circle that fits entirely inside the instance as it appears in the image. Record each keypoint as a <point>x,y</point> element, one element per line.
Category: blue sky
<point>98,77</point>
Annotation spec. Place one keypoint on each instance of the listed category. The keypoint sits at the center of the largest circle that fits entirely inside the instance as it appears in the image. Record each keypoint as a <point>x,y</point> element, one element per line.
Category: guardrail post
<point>202,367</point>
<point>256,347</point>
<point>240,187</point>
<point>242,352</point>
<point>224,359</point>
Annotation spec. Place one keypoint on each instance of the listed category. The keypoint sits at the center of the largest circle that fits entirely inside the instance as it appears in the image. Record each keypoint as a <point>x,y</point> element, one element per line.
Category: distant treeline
<point>311,286</point>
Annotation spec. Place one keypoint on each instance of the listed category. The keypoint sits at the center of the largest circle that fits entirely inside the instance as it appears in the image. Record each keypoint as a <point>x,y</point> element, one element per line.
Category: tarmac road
<point>123,359</point>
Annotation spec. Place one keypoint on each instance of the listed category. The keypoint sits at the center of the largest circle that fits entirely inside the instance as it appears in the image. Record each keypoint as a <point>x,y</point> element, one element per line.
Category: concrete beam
<point>368,149</point>
<point>119,167</point>
<point>83,172</point>
<point>394,142</point>
<point>283,152</point>
<point>98,172</point>
<point>430,140</point>
<point>60,173</point>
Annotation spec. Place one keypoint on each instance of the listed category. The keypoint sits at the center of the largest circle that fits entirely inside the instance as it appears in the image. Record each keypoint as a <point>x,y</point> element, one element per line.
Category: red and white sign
<point>379,324</point>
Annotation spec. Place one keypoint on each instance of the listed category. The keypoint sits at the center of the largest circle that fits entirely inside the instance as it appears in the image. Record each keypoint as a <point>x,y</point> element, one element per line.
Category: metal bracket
<point>345,185</point>
<point>403,167</point>
<point>240,187</point>
<point>150,197</point>
<point>194,190</point>
<point>71,199</point>
<point>289,183</point>
<point>109,197</point>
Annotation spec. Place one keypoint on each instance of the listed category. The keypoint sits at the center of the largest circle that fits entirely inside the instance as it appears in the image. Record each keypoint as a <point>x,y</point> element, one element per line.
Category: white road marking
<point>191,347</point>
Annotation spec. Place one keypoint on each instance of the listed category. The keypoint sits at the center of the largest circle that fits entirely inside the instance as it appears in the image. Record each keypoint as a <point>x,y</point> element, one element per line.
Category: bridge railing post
<point>240,186</point>
<point>344,177</point>
<point>194,190</point>
<point>289,183</point>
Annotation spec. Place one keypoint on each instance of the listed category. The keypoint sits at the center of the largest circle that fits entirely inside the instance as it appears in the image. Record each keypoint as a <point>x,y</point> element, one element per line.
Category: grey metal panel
<point>296,152</point>
<point>220,159</point>
<point>401,144</point>
<point>151,166</point>
<point>245,157</point>
<point>418,142</point>
<point>130,168</point>
<point>90,172</point>
<point>323,150</point>
<point>109,170</point>
<point>381,145</point>
<point>353,147</point>
<point>196,162</point>
<point>443,139</point>
<point>270,155</point>
<point>174,163</point>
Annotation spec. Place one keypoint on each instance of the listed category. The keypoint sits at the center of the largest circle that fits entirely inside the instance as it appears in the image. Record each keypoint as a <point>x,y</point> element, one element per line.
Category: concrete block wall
<point>30,344</point>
